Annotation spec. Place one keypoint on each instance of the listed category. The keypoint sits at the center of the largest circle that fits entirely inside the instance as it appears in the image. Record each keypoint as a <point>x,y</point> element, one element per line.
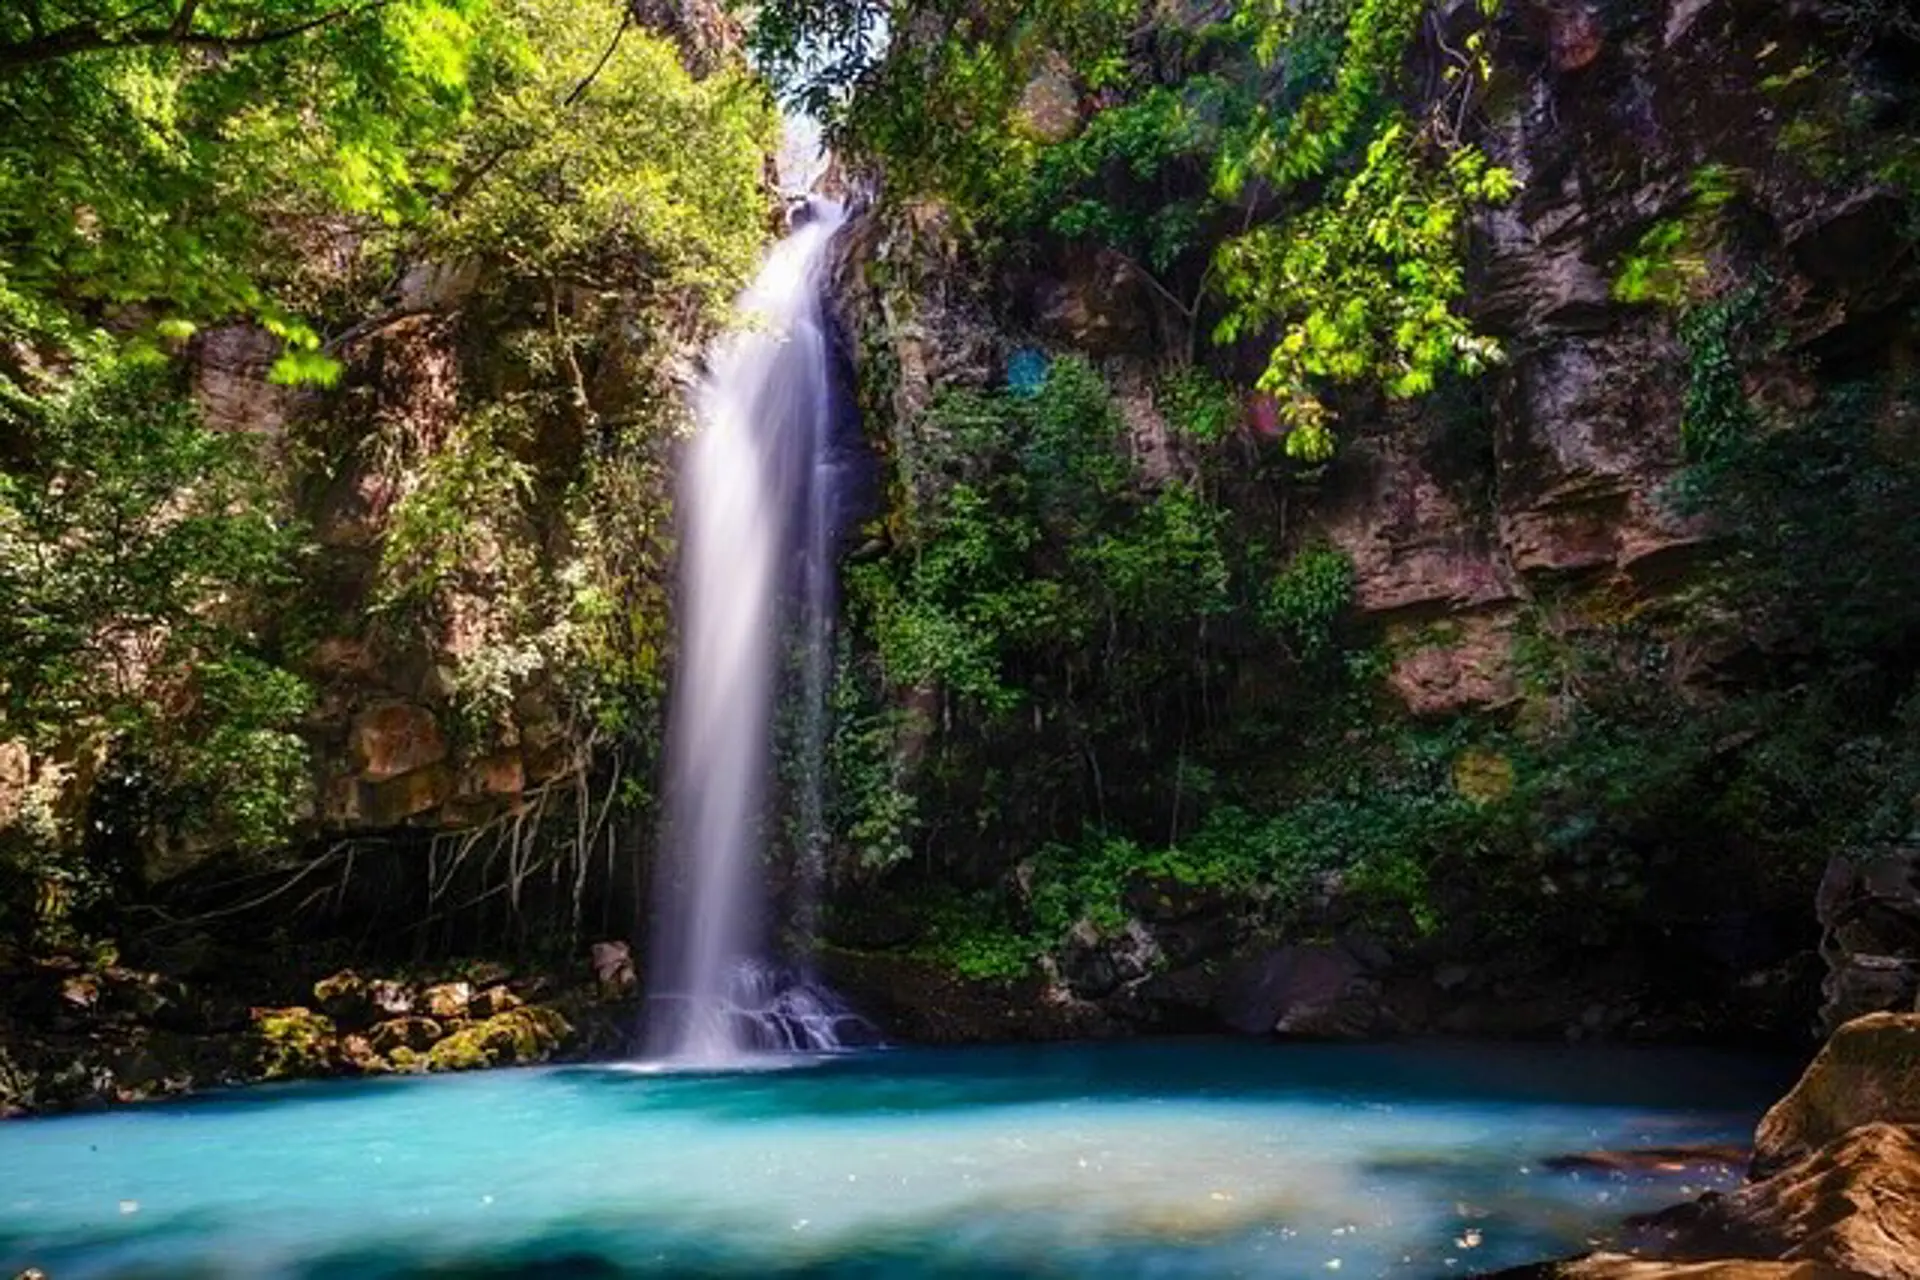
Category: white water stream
<point>759,495</point>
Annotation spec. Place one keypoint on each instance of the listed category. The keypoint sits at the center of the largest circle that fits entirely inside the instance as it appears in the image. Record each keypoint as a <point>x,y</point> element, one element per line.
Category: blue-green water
<point>1161,1160</point>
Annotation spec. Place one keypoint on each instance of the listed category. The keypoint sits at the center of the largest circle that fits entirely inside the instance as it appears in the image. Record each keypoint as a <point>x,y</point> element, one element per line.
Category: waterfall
<point>760,500</point>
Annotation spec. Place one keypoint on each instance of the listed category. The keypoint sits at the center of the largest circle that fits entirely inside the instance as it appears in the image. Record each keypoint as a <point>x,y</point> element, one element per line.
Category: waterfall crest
<point>760,500</point>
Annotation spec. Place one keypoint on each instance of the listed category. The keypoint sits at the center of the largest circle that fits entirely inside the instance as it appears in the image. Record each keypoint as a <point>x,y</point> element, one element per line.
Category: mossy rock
<point>528,1034</point>
<point>1869,1071</point>
<point>416,1034</point>
<point>294,1042</point>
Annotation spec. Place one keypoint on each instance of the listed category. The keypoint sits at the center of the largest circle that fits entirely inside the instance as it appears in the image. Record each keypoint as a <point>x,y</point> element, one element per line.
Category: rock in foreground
<point>1869,1071</point>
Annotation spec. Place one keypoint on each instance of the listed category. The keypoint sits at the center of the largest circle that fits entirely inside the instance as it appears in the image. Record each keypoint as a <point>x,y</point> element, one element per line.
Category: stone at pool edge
<point>1852,1205</point>
<point>1618,1266</point>
<point>1869,1071</point>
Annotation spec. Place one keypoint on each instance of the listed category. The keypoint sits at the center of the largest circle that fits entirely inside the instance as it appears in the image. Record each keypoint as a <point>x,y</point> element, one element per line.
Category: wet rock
<point>1869,909</point>
<point>1854,1205</point>
<point>613,970</point>
<point>343,997</point>
<point>1618,1266</point>
<point>410,795</point>
<point>1651,1159</point>
<point>1868,1072</point>
<point>389,999</point>
<point>524,1035</point>
<point>1315,990</point>
<point>416,1034</point>
<point>494,1000</point>
<point>1094,963</point>
<point>358,1054</point>
<point>294,1042</point>
<point>447,1000</point>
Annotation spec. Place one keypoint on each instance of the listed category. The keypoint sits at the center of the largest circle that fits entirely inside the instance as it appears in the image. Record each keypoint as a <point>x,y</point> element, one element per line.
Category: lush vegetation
<point>474,234</point>
<point>1272,177</point>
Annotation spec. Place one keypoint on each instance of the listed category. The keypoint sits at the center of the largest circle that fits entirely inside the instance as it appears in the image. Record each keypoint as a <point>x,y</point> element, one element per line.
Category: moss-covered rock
<point>492,1002</point>
<point>1869,1071</point>
<point>528,1034</point>
<point>447,1000</point>
<point>294,1042</point>
<point>416,1034</point>
<point>343,997</point>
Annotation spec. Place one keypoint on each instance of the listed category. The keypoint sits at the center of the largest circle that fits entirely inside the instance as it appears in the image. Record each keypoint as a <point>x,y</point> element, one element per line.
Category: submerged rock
<point>1650,1159</point>
<point>1869,1071</point>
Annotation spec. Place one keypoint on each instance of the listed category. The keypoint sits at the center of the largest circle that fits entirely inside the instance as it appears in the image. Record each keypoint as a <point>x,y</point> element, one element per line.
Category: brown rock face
<point>417,1034</point>
<point>1467,664</point>
<point>1050,105</point>
<point>1616,1266</point>
<point>395,738</point>
<point>1316,990</point>
<point>1869,911</point>
<point>1868,1072</point>
<point>1854,1205</point>
<point>447,1000</point>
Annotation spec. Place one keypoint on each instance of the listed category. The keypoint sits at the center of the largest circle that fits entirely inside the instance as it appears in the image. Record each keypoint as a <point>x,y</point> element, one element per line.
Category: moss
<point>294,1042</point>
<point>528,1034</point>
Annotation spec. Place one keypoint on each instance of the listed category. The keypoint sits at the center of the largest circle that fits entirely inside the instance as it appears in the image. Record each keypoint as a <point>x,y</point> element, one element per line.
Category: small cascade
<point>761,498</point>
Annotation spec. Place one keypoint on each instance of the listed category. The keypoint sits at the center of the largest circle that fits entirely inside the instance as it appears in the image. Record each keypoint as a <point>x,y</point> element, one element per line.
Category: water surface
<point>1161,1160</point>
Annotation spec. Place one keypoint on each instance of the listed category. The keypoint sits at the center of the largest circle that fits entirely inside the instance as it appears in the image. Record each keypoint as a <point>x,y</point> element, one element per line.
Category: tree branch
<point>88,37</point>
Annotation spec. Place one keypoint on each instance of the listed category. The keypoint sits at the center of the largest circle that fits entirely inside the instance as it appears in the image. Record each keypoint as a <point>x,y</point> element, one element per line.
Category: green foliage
<point>1668,264</point>
<point>870,803</point>
<point>153,154</point>
<point>1198,405</point>
<point>602,161</point>
<point>1308,596</point>
<point>1721,335</point>
<point>140,553</point>
<point>1308,203</point>
<point>1037,541</point>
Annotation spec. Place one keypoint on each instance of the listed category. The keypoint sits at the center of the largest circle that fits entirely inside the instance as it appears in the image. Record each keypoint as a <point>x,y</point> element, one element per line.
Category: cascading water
<point>760,497</point>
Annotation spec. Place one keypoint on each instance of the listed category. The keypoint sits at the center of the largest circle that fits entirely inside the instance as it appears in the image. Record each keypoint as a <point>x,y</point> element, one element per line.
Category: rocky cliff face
<point>1537,508</point>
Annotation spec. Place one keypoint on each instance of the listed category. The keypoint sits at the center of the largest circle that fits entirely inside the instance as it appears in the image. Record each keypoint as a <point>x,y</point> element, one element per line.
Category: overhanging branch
<point>90,37</point>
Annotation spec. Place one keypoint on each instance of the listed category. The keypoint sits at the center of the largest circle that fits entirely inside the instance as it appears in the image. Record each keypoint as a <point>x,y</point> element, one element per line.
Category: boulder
<point>294,1042</point>
<point>1618,1266</point>
<point>389,999</point>
<point>343,997</point>
<point>447,1000</point>
<point>416,1034</point>
<point>1854,1206</point>
<point>613,970</point>
<point>494,1000</point>
<point>1869,909</point>
<point>1869,1071</point>
<point>524,1035</point>
<point>1315,990</point>
<point>1094,963</point>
